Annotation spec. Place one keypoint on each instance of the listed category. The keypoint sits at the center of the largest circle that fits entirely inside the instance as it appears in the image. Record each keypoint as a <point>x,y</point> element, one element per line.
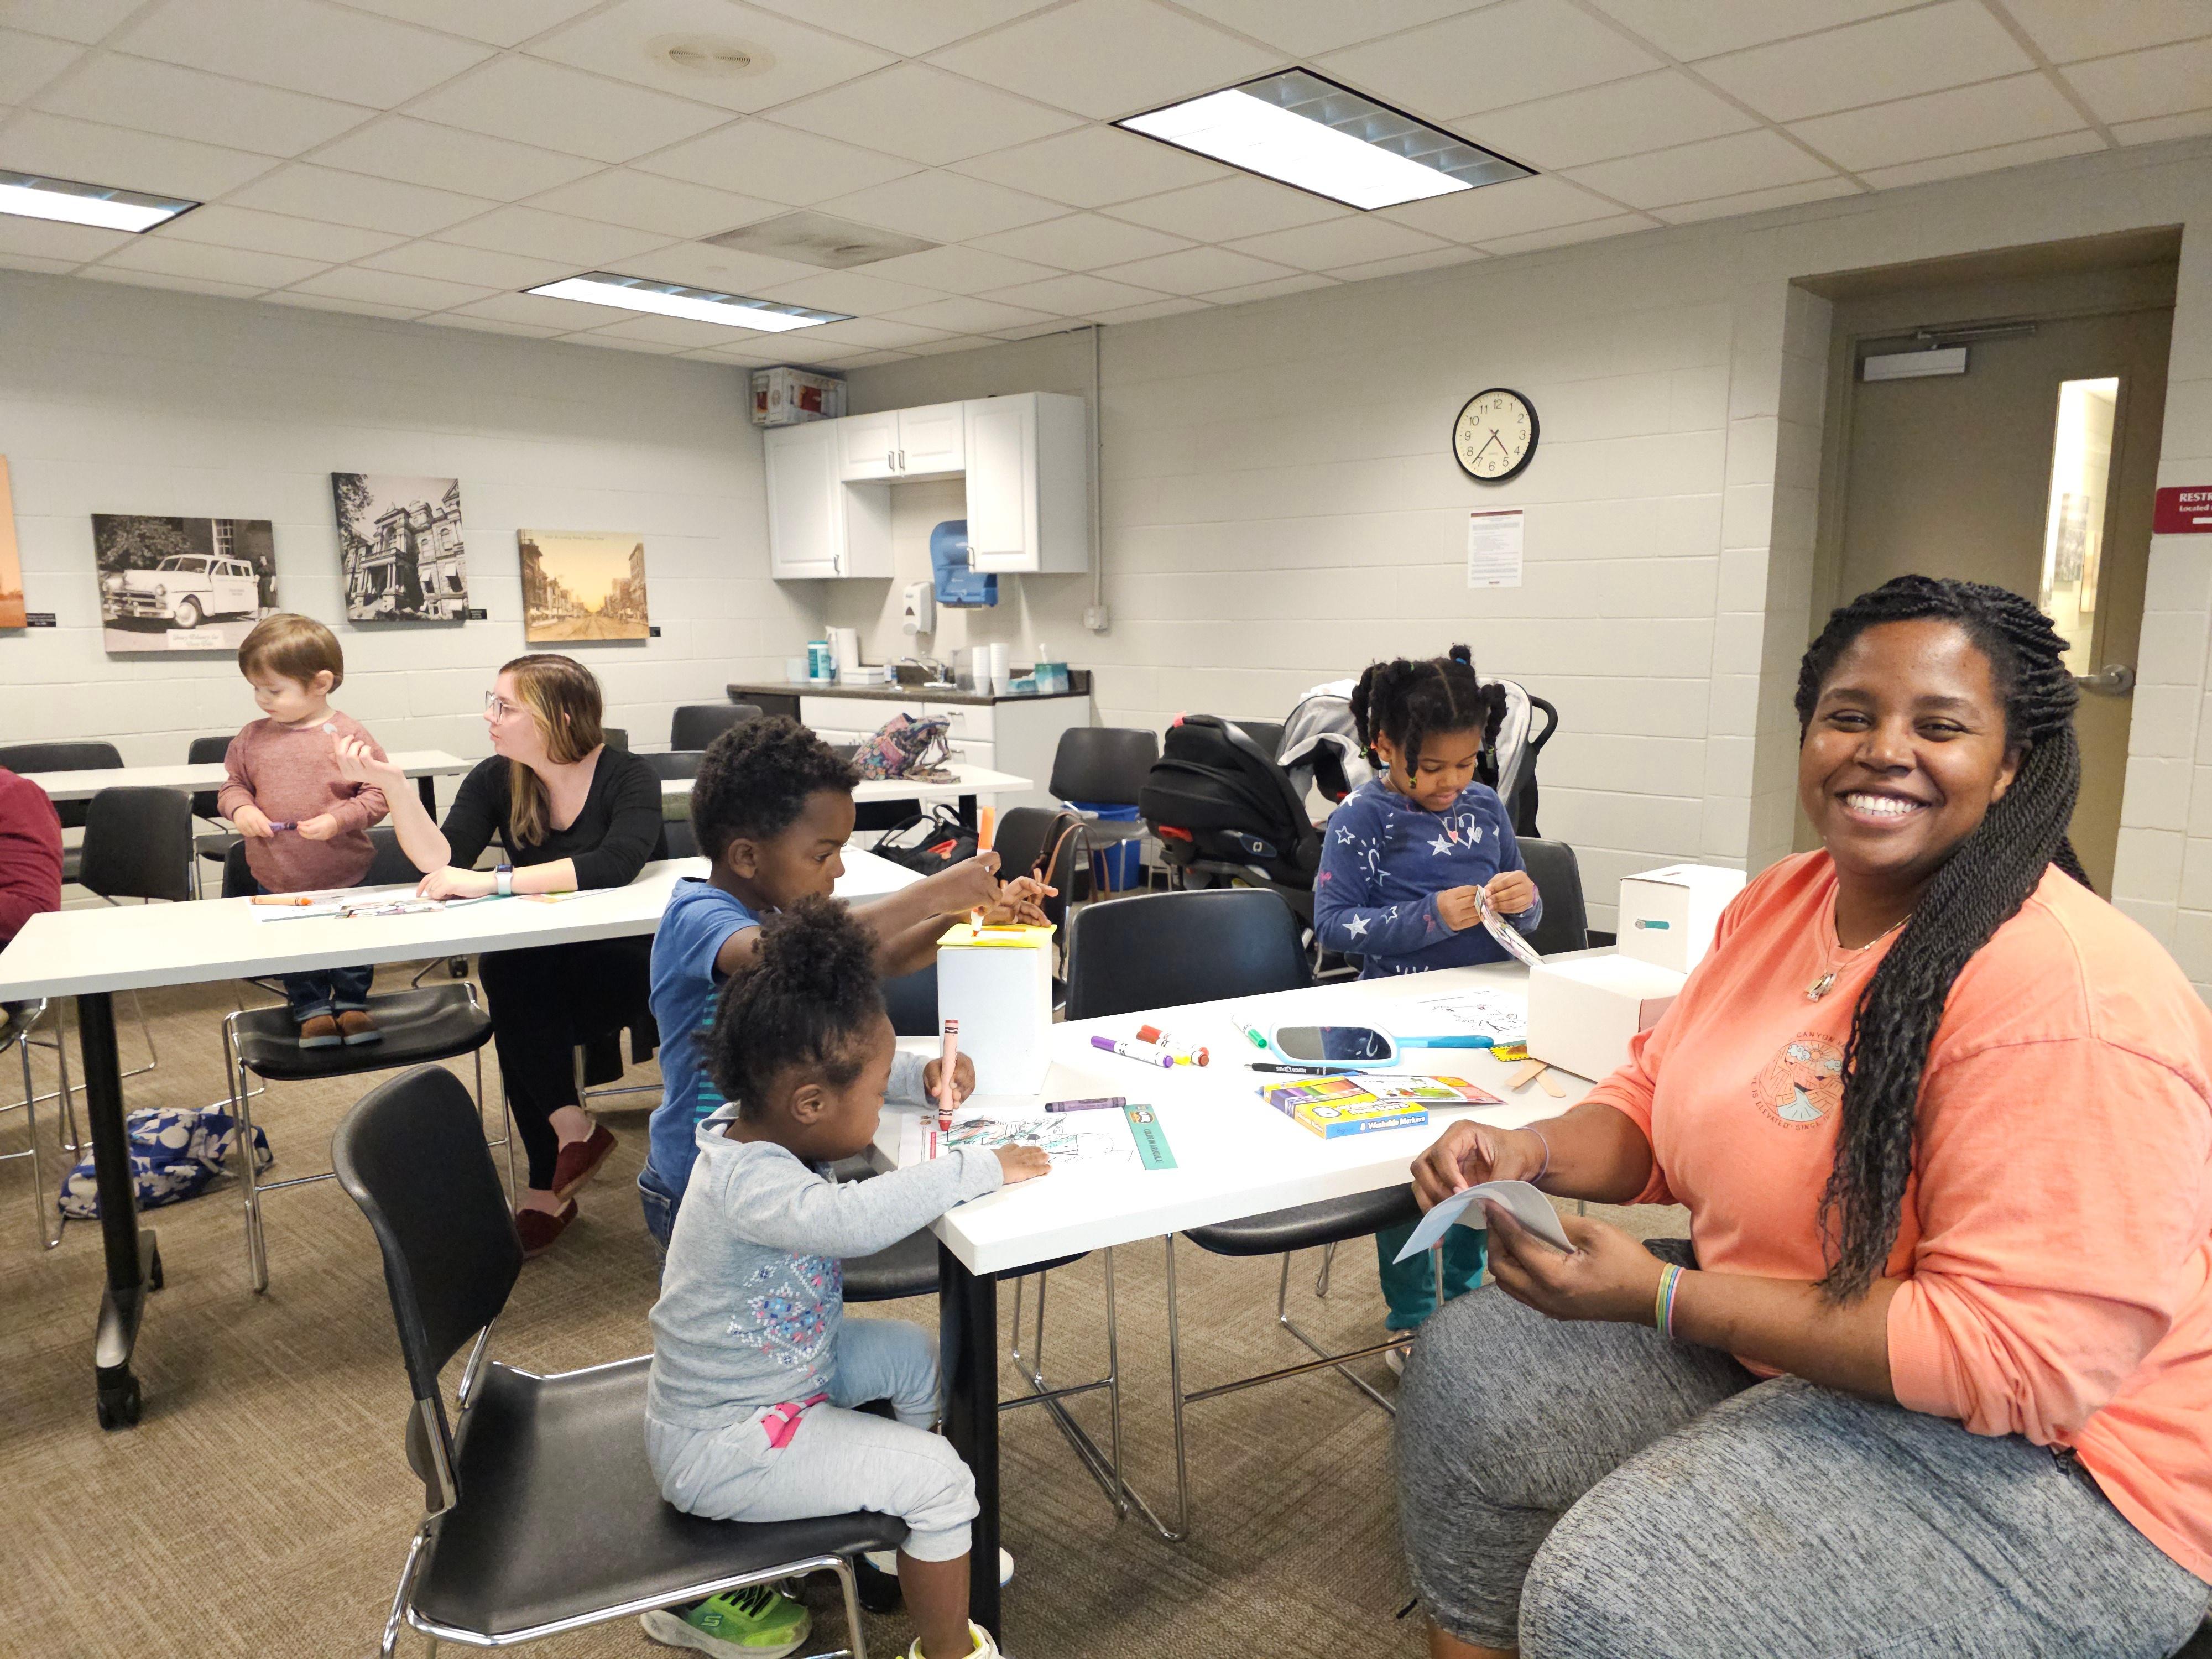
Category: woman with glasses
<point>569,813</point>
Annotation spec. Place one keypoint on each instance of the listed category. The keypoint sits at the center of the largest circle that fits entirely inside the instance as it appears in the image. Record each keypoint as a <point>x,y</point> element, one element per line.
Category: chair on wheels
<point>1159,950</point>
<point>209,846</point>
<point>64,757</point>
<point>540,1513</point>
<point>695,725</point>
<point>420,1024</point>
<point>16,1021</point>
<point>1558,878</point>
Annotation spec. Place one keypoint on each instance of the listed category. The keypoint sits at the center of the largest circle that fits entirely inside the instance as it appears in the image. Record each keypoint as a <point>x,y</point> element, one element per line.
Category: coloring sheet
<point>1498,1015</point>
<point>1096,1138</point>
<point>1515,942</point>
<point>1518,1199</point>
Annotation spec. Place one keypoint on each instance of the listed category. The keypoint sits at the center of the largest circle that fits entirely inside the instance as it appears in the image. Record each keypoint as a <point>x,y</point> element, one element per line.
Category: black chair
<point>17,1019</point>
<point>137,844</point>
<point>695,725</point>
<point>674,764</point>
<point>1020,842</point>
<point>1160,950</point>
<point>614,737</point>
<point>420,1024</point>
<point>64,757</point>
<point>682,840</point>
<point>211,845</point>
<point>540,1513</point>
<point>1107,764</point>
<point>1558,879</point>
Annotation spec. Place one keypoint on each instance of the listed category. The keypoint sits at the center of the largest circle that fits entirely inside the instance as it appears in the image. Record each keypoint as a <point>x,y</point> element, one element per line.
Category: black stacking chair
<point>64,757</point>
<point>1558,879</point>
<point>682,840</point>
<point>695,725</point>
<point>675,763</point>
<point>211,846</point>
<point>614,737</point>
<point>1020,842</point>
<point>1107,764</point>
<point>137,844</point>
<point>540,1513</point>
<point>420,1024</point>
<point>1159,950</point>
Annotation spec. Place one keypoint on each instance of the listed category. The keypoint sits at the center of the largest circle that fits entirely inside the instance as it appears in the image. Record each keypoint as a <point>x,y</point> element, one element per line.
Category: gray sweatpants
<point>1587,1491</point>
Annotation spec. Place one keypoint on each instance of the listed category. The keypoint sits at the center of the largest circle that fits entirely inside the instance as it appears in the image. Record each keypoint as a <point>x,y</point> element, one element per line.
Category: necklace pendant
<point>1820,987</point>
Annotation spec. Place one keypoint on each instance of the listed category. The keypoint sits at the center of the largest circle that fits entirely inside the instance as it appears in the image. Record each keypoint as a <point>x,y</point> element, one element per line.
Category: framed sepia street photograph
<point>580,584</point>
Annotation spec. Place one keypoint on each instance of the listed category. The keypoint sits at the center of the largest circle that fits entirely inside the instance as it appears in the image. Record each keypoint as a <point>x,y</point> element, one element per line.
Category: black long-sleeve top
<point>619,829</point>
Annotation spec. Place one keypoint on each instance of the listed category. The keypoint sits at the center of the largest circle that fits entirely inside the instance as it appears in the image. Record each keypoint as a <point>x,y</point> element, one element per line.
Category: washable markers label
<point>1152,1150</point>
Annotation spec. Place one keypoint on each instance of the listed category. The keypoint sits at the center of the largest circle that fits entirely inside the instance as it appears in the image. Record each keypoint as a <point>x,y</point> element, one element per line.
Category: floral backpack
<point>903,747</point>
<point>174,1153</point>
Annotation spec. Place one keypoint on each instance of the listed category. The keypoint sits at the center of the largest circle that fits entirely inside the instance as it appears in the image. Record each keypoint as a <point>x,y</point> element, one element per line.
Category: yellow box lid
<point>1012,937</point>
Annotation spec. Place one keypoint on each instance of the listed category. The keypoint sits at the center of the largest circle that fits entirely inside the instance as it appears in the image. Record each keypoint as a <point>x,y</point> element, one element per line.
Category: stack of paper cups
<point>1002,669</point>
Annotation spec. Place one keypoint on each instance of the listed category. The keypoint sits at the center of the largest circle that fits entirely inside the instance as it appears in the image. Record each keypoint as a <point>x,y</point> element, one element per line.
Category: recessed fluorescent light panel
<point>601,287</point>
<point>34,197</point>
<point>1312,133</point>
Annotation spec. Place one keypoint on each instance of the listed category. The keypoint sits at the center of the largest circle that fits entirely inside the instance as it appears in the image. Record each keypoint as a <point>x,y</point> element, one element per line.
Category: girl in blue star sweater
<point>1405,860</point>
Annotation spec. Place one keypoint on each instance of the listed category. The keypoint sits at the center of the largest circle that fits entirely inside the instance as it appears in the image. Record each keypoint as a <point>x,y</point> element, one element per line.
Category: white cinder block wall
<point>116,399</point>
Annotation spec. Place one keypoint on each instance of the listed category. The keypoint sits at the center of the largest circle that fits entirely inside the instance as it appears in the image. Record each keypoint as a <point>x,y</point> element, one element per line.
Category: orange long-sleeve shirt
<point>2056,1241</point>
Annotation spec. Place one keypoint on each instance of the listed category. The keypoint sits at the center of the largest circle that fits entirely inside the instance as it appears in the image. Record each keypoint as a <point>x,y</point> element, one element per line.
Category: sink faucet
<point>934,671</point>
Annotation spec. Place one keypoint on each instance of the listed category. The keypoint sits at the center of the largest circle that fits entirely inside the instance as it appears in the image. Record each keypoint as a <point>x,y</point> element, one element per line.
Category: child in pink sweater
<point>306,827</point>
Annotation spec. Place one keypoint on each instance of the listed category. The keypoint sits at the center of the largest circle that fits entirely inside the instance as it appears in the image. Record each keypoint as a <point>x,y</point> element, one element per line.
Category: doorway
<point>2030,461</point>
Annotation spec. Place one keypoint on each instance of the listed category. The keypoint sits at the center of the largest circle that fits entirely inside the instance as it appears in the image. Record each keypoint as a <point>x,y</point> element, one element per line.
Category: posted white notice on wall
<point>1494,548</point>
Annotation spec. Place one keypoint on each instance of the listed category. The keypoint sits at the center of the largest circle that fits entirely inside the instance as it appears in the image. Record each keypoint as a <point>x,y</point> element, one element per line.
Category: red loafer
<point>539,1229</point>
<point>580,1161</point>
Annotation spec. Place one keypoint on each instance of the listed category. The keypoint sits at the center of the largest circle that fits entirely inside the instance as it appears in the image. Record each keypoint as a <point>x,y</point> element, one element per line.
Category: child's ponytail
<point>1405,700</point>
<point>809,995</point>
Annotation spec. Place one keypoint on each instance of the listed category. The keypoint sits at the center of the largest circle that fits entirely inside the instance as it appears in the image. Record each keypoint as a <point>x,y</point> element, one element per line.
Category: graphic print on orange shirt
<point>1803,1083</point>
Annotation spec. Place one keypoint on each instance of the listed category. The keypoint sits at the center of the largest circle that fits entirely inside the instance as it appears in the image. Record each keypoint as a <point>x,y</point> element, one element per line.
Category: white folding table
<point>421,764</point>
<point>91,954</point>
<point>967,784</point>
<point>1235,1156</point>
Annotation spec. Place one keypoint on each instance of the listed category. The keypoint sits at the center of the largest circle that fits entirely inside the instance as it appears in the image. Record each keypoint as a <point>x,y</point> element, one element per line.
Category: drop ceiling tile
<point>1108,58</point>
<point>959,269</point>
<point>476,266</point>
<point>447,158</point>
<point>324,243</point>
<point>1703,27</point>
<point>654,202</point>
<point>32,262</point>
<point>392,288</point>
<point>1091,167</point>
<point>629,41</point>
<point>1303,27</point>
<point>1755,201</point>
<point>84,21</point>
<point>534,311</point>
<point>1335,242</point>
<point>1944,45</point>
<point>302,46</point>
<point>871,358</point>
<point>1237,206</point>
<point>355,198</point>
<point>943,207</point>
<point>2068,29</point>
<point>49,239</point>
<point>756,158</point>
<point>724,271</point>
<point>2162,81</point>
<point>500,23</point>
<point>1712,166</point>
<point>1303,283</point>
<point>551,105</point>
<point>1504,54</point>
<point>668,331</point>
<point>1529,241</point>
<point>1083,241</point>
<point>28,62</point>
<point>214,265</point>
<point>1147,314</point>
<point>1075,296</point>
<point>489,325</point>
<point>1453,255</point>
<point>1944,123</point>
<point>950,342</point>
<point>1032,331</point>
<point>1988,159</point>
<point>168,283</point>
<point>185,104</point>
<point>967,315</point>
<point>1646,111</point>
<point>1507,209</point>
<point>872,333</point>
<point>2191,125</point>
<point>923,114</point>
<point>94,153</point>
<point>581,243</point>
<point>1197,271</point>
<point>850,291</point>
<point>292,296</point>
<point>617,343</point>
<point>901,25</point>
<point>799,349</point>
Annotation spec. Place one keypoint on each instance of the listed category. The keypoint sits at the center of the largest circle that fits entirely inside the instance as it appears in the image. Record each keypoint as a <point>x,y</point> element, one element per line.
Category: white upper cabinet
<point>1026,461</point>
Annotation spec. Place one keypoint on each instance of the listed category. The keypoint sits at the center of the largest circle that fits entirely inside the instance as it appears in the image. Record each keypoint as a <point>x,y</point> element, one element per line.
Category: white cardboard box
<point>785,397</point>
<point>1001,994</point>
<point>1667,916</point>
<point>1583,1011</point>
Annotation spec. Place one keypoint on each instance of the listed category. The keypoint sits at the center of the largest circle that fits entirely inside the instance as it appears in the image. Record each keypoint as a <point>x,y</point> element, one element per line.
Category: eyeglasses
<point>498,707</point>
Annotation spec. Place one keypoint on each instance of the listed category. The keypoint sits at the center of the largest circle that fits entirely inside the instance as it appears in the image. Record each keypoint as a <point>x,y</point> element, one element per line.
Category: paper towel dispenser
<point>957,583</point>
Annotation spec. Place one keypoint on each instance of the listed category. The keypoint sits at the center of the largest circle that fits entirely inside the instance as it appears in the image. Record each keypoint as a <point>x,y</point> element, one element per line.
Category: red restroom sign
<point>2183,510</point>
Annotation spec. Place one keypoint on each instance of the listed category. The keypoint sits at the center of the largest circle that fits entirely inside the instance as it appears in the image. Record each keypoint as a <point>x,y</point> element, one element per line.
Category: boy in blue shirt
<point>772,809</point>
<point>1405,862</point>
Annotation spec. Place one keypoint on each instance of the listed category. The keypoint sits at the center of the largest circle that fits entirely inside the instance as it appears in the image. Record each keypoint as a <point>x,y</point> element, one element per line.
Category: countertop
<point>1079,685</point>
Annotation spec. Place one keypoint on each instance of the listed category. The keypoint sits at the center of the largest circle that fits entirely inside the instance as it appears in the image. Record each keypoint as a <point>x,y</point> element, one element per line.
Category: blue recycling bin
<point>1123,862</point>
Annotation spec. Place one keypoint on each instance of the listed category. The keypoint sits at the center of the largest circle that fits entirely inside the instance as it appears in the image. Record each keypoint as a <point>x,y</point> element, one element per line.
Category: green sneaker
<point>756,1622</point>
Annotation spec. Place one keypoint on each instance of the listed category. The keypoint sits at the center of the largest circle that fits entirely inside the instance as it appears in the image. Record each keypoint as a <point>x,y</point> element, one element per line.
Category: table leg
<point>134,1256</point>
<point>427,786</point>
<point>968,1324</point>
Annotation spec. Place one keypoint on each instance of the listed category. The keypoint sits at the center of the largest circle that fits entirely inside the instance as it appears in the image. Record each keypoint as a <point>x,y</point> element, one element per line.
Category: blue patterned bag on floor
<point>174,1153</point>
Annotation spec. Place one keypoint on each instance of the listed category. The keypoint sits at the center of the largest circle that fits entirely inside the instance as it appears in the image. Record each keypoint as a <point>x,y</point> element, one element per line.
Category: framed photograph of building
<point>582,585</point>
<point>401,547</point>
<point>11,563</point>
<point>169,585</point>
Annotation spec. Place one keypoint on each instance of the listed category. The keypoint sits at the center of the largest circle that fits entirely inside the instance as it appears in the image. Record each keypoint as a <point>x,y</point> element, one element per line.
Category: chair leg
<point>146,1031</point>
<point>241,1151</point>
<point>1283,1318</point>
<point>398,1617</point>
<point>850,1590</point>
<point>1181,1528</point>
<point>1321,1278</point>
<point>31,1127</point>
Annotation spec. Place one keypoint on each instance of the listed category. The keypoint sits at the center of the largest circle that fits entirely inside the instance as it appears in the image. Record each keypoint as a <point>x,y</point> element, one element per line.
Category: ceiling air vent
<point>709,56</point>
<point>819,239</point>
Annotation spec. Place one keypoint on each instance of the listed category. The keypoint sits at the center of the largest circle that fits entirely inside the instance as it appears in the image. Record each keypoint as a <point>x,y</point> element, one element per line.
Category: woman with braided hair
<point>1932,1374</point>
